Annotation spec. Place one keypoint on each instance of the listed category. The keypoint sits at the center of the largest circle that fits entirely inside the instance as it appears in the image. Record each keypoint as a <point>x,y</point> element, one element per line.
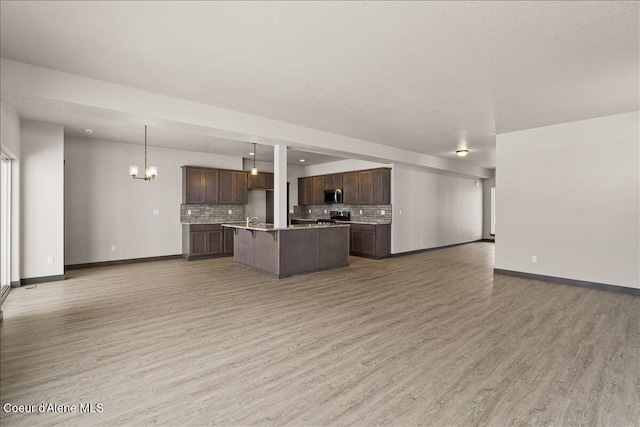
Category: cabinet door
<point>228,240</point>
<point>256,181</point>
<point>318,190</point>
<point>226,187</point>
<point>210,187</point>
<point>269,181</point>
<point>193,185</point>
<point>215,241</point>
<point>198,243</point>
<point>363,241</point>
<point>350,188</point>
<point>381,187</point>
<point>333,181</point>
<point>233,187</point>
<point>239,188</point>
<point>364,188</point>
<point>305,191</point>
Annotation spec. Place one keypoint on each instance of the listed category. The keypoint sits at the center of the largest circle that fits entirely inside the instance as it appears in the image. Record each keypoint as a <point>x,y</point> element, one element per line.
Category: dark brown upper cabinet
<point>233,187</point>
<point>209,186</point>
<point>350,188</point>
<point>318,190</point>
<point>374,187</point>
<point>333,181</point>
<point>262,181</point>
<point>305,191</point>
<point>199,185</point>
<point>368,187</point>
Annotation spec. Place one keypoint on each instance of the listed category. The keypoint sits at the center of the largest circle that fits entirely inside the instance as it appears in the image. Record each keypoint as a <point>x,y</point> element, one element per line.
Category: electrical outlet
<point>113,248</point>
<point>382,212</point>
<point>156,212</point>
<point>325,211</point>
<point>189,212</point>
<point>400,212</point>
<point>309,210</point>
<point>50,260</point>
<point>360,211</point>
<point>230,211</point>
<point>421,239</point>
<point>534,258</point>
<point>290,210</point>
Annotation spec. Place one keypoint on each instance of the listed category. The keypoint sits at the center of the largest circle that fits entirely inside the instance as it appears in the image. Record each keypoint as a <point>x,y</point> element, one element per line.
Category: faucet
<point>250,220</point>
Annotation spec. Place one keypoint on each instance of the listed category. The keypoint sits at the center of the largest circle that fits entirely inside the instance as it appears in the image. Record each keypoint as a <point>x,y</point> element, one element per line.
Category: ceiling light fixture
<point>462,152</point>
<point>89,131</point>
<point>302,160</point>
<point>254,170</point>
<point>150,172</point>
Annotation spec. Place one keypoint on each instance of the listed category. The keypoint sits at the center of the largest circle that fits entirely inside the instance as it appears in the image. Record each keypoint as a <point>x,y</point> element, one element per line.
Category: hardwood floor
<point>427,339</point>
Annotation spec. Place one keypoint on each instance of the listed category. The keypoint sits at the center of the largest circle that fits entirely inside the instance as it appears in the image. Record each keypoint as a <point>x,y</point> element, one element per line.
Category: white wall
<point>10,140</point>
<point>486,207</point>
<point>432,210</point>
<point>570,195</point>
<point>42,198</point>
<point>105,206</point>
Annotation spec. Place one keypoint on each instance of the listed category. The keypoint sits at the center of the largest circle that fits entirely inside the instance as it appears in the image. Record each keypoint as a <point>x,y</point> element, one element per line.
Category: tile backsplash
<point>370,213</point>
<point>211,214</point>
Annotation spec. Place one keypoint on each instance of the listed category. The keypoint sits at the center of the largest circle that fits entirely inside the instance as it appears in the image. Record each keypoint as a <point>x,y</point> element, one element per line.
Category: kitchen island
<point>297,249</point>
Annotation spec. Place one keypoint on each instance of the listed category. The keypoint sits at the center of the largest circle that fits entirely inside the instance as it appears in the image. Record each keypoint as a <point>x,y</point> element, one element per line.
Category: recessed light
<point>302,160</point>
<point>89,131</point>
<point>462,152</point>
<point>252,154</point>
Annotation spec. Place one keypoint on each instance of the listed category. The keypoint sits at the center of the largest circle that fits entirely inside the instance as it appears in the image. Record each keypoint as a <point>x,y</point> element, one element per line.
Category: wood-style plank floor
<point>426,339</point>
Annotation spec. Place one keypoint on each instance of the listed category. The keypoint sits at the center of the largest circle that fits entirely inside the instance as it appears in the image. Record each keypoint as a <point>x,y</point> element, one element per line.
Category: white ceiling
<point>424,76</point>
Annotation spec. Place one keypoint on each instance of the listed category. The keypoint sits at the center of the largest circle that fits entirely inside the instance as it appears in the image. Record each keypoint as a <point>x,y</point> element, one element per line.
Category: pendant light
<point>150,172</point>
<point>254,169</point>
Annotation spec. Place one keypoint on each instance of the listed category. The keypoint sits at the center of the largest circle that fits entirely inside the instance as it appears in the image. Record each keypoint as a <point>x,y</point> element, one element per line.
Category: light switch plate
<point>534,258</point>
<point>50,260</point>
<point>113,248</point>
<point>156,212</point>
<point>230,211</point>
<point>360,211</point>
<point>189,212</point>
<point>382,212</point>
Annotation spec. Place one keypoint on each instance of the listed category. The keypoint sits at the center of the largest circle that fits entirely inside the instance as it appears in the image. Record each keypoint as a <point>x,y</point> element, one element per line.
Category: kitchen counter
<point>339,221</point>
<point>270,227</point>
<point>297,249</point>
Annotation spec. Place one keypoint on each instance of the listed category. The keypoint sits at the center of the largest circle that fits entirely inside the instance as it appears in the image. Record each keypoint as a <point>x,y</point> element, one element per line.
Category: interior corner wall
<point>569,194</point>
<point>10,139</point>
<point>42,199</point>
<point>105,207</point>
<point>486,207</point>
<point>432,210</point>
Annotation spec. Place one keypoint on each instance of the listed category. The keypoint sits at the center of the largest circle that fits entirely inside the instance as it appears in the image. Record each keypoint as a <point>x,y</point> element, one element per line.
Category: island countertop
<point>271,227</point>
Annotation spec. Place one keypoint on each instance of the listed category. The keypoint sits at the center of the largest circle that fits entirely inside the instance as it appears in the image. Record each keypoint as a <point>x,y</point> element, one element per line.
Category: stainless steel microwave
<point>333,196</point>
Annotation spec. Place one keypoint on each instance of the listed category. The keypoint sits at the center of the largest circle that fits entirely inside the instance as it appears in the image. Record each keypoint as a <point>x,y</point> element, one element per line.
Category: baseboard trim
<point>419,251</point>
<point>43,279</point>
<point>488,240</point>
<point>4,292</point>
<point>120,262</point>
<point>16,284</point>
<point>571,282</point>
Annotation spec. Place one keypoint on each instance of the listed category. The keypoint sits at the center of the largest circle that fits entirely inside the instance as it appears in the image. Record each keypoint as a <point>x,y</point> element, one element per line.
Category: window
<point>493,211</point>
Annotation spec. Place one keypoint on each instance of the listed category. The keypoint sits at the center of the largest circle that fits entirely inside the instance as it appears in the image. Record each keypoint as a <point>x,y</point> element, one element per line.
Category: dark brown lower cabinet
<point>206,241</point>
<point>370,240</point>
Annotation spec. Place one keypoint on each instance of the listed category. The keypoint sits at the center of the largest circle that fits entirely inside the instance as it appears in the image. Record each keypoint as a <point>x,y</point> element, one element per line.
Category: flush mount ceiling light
<point>302,160</point>
<point>89,131</point>
<point>150,172</point>
<point>462,152</point>
<point>254,170</point>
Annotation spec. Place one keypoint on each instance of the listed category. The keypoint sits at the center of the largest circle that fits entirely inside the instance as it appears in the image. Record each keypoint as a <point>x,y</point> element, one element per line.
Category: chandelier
<point>150,172</point>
